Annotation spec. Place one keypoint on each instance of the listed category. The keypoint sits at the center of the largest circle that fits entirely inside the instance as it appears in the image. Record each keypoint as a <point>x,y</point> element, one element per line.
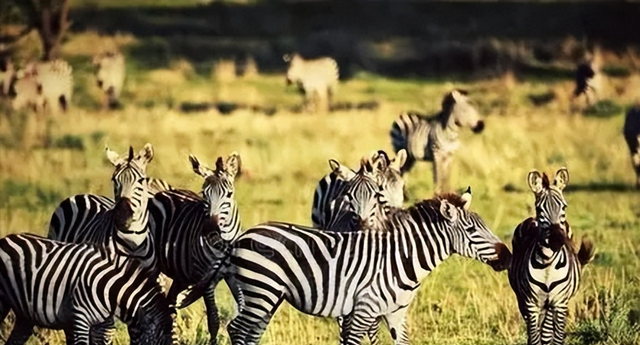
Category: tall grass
<point>462,302</point>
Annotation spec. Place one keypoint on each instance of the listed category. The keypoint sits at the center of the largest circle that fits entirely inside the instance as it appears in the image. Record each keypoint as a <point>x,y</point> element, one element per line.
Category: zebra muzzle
<point>479,127</point>
<point>557,237</point>
<point>503,260</point>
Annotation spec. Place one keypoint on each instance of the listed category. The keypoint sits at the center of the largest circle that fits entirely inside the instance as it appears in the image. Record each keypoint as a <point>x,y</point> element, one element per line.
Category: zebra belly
<point>553,283</point>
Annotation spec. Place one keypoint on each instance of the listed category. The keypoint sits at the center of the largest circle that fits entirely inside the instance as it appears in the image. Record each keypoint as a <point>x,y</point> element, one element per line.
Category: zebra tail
<point>586,252</point>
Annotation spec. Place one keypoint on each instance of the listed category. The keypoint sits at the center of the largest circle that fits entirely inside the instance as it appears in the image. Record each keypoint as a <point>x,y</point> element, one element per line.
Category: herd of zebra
<point>361,263</point>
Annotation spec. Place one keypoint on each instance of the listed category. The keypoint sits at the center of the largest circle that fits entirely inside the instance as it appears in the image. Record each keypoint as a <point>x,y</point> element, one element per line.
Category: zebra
<point>631,131</point>
<point>587,80</point>
<point>53,84</point>
<point>545,270</point>
<point>78,288</point>
<point>362,275</point>
<point>365,194</point>
<point>110,73</point>
<point>435,138</point>
<point>98,219</point>
<point>317,78</point>
<point>190,231</point>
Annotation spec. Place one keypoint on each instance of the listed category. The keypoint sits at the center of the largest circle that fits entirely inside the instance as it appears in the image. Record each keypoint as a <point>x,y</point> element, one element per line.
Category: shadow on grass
<point>619,187</point>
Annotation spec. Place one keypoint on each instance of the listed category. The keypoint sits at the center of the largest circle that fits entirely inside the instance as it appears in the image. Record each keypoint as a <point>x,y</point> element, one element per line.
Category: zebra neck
<point>230,225</point>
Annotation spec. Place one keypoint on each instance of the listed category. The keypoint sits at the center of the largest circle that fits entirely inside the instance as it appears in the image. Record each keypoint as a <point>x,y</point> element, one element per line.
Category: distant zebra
<point>545,270</point>
<point>378,177</point>
<point>435,138</point>
<point>88,218</point>
<point>191,231</point>
<point>110,74</point>
<point>77,287</point>
<point>317,78</point>
<point>360,276</point>
<point>44,85</point>
<point>631,131</point>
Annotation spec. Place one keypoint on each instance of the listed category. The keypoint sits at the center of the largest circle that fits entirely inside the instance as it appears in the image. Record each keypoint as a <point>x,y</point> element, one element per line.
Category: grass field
<point>284,155</point>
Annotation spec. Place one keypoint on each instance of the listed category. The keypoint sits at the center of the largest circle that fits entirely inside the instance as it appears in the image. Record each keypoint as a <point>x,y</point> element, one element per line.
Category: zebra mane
<point>545,181</point>
<point>454,199</point>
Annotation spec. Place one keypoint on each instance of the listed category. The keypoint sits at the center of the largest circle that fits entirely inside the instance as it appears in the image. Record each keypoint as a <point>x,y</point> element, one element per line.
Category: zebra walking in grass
<point>360,276</point>
<point>44,86</point>
<point>191,232</point>
<point>110,73</point>
<point>631,131</point>
<point>362,191</point>
<point>79,288</point>
<point>435,138</point>
<point>317,78</point>
<point>545,270</point>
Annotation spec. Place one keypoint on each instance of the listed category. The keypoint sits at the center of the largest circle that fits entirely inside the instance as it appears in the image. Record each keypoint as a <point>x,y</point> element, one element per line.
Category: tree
<point>49,17</point>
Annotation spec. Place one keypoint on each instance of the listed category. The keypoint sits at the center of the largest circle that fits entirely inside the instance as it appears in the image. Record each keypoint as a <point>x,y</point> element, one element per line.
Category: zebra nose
<point>479,127</point>
<point>503,260</point>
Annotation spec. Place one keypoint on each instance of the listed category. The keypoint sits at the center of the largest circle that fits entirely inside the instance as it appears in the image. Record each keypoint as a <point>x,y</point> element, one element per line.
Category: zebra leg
<point>247,327</point>
<point>372,333</point>
<point>441,164</point>
<point>559,319</point>
<point>635,161</point>
<point>398,326</point>
<point>356,325</point>
<point>546,329</point>
<point>22,331</point>
<point>531,315</point>
<point>213,319</point>
<point>80,333</point>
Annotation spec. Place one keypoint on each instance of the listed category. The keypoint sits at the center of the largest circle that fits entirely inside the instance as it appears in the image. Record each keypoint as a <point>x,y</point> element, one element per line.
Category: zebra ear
<point>448,210</point>
<point>534,179</point>
<point>233,164</point>
<point>146,154</point>
<point>456,95</point>
<point>334,165</point>
<point>113,156</point>
<point>199,168</point>
<point>398,162</point>
<point>466,197</point>
<point>562,178</point>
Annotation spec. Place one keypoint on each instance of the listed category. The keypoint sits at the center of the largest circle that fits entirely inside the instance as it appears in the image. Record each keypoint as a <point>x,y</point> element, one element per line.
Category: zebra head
<point>461,112</point>
<point>392,182</point>
<point>470,236</point>
<point>551,207</point>
<point>130,191</point>
<point>219,192</point>
<point>296,68</point>
<point>364,195</point>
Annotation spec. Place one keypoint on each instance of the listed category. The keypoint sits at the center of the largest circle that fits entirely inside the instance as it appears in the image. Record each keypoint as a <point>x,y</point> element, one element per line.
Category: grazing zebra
<point>631,131</point>
<point>377,184</point>
<point>435,139</point>
<point>362,275</point>
<point>545,270</point>
<point>317,78</point>
<point>110,74</point>
<point>52,82</point>
<point>77,287</point>
<point>191,231</point>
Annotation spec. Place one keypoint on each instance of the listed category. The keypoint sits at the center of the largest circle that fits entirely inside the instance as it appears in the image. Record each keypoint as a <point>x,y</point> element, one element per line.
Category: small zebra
<point>190,232</point>
<point>78,288</point>
<point>44,85</point>
<point>317,78</point>
<point>631,131</point>
<point>360,276</point>
<point>110,73</point>
<point>435,138</point>
<point>363,194</point>
<point>545,270</point>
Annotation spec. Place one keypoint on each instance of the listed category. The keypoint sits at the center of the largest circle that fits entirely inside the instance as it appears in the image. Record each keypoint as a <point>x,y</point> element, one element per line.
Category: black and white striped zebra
<point>631,132</point>
<point>588,80</point>
<point>435,138</point>
<point>360,276</point>
<point>317,78</point>
<point>96,219</point>
<point>545,270</point>
<point>190,231</point>
<point>78,288</point>
<point>358,191</point>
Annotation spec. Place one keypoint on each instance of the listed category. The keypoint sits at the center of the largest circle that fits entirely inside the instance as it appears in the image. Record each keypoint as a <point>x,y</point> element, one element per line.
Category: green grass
<point>462,302</point>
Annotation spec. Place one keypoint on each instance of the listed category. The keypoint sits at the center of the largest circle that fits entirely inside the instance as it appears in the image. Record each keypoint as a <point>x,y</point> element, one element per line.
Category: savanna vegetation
<point>531,122</point>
